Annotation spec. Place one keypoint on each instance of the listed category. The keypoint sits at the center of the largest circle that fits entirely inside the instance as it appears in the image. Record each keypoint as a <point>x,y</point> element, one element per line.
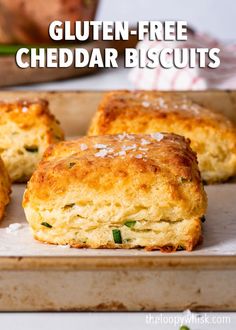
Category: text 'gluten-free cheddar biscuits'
<point>120,191</point>
<point>5,188</point>
<point>26,130</point>
<point>212,135</point>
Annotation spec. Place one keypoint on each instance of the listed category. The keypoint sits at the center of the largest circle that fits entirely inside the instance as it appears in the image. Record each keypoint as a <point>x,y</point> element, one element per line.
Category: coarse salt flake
<point>121,137</point>
<point>130,137</point>
<point>161,102</point>
<point>101,153</point>
<point>25,109</point>
<point>157,136</point>
<point>127,148</point>
<point>145,104</point>
<point>100,146</point>
<point>139,156</point>
<point>83,146</point>
<point>144,142</point>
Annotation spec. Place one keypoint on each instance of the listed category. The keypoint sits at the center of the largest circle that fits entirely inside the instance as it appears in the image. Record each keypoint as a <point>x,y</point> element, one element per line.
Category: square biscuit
<point>5,188</point>
<point>26,130</point>
<point>212,135</point>
<point>118,191</point>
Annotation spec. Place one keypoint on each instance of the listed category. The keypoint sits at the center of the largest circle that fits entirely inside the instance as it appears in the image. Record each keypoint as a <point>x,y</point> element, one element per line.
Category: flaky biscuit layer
<point>26,130</point>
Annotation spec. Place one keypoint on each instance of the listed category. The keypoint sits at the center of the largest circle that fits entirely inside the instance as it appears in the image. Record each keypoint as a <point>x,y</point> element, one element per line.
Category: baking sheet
<point>219,231</point>
<point>66,279</point>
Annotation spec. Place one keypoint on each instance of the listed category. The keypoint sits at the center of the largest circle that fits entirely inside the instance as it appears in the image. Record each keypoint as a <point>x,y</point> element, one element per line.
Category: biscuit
<point>26,130</point>
<point>212,135</point>
<point>118,191</point>
<point>5,188</point>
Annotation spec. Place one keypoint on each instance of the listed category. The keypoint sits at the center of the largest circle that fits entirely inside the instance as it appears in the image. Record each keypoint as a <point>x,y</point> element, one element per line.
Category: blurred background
<point>217,17</point>
<point>214,23</point>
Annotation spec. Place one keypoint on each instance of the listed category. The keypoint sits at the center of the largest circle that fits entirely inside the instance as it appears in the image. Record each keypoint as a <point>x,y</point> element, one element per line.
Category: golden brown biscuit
<point>212,135</point>
<point>121,191</point>
<point>5,188</point>
<point>26,130</point>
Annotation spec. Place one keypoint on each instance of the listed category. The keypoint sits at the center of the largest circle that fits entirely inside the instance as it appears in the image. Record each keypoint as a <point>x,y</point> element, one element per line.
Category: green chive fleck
<point>31,148</point>
<point>117,236</point>
<point>184,180</point>
<point>9,49</point>
<point>184,327</point>
<point>46,224</point>
<point>68,206</point>
<point>130,223</point>
<point>203,218</point>
<point>71,165</point>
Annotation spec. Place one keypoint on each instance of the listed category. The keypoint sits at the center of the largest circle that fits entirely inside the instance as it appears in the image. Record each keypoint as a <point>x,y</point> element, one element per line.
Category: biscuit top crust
<point>25,113</point>
<point>131,105</point>
<point>157,148</point>
<point>32,115</point>
<point>133,164</point>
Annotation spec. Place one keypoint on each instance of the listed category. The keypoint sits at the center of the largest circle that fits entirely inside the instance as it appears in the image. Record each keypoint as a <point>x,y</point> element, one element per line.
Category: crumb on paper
<point>187,312</point>
<point>65,246</point>
<point>13,227</point>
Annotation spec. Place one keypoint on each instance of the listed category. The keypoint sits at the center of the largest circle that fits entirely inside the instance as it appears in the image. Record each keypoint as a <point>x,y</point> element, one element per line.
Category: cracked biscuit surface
<point>120,191</point>
<point>212,135</point>
<point>26,130</point>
